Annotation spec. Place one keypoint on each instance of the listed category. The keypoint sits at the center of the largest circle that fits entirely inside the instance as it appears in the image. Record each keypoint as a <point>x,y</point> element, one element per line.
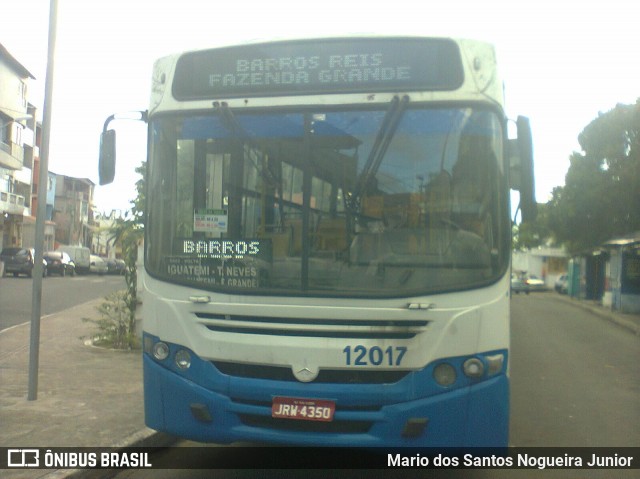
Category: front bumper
<point>239,409</point>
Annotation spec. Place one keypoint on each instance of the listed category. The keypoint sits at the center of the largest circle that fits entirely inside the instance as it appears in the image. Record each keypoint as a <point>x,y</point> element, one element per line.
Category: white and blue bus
<point>327,243</point>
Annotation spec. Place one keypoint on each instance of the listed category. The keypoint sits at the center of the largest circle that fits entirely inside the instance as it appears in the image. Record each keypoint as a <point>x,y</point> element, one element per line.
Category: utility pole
<point>43,177</point>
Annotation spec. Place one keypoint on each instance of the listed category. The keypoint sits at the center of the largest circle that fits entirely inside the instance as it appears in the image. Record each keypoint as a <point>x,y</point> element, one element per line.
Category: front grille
<point>313,327</point>
<point>344,427</point>
<point>336,376</point>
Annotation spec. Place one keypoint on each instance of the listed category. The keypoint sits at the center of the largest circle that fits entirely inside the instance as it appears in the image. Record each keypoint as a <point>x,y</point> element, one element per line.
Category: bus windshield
<point>399,200</point>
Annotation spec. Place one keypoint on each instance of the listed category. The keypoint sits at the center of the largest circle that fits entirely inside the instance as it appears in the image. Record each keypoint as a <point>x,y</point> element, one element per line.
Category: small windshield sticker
<point>210,221</point>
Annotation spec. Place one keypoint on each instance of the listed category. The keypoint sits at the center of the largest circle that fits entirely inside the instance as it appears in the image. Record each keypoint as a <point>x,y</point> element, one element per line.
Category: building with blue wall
<point>622,275</point>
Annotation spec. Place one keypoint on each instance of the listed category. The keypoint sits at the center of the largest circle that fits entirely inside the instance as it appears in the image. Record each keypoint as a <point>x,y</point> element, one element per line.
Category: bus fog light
<point>495,363</point>
<point>444,374</point>
<point>161,351</point>
<point>201,412</point>
<point>414,427</point>
<point>473,368</point>
<point>183,359</point>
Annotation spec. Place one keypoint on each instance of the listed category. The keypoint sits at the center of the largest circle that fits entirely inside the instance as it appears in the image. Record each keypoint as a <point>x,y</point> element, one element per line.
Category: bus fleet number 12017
<point>374,356</point>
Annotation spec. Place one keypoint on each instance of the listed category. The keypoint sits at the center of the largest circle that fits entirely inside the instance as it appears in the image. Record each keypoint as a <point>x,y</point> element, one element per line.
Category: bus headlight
<point>473,368</point>
<point>183,359</point>
<point>161,351</point>
<point>444,374</point>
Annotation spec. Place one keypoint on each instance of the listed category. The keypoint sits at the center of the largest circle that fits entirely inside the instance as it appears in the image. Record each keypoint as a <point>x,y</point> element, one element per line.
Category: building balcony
<point>12,203</point>
<point>11,155</point>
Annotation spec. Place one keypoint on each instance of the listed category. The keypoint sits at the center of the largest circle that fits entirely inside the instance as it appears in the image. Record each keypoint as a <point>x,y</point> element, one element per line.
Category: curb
<point>147,438</point>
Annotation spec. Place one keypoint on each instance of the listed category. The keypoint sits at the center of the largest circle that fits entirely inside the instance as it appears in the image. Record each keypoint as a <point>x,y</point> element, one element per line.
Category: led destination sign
<point>220,262</point>
<point>225,249</point>
<point>314,66</point>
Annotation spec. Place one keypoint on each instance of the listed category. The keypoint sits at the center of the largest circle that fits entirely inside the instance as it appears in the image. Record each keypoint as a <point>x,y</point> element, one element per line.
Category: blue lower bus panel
<point>195,399</point>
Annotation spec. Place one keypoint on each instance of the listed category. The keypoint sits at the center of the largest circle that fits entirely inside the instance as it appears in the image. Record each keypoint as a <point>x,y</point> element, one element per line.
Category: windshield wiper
<point>233,125</point>
<point>387,130</point>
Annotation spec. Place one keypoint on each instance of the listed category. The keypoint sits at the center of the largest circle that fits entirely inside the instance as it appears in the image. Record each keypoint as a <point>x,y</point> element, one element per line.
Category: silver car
<point>98,265</point>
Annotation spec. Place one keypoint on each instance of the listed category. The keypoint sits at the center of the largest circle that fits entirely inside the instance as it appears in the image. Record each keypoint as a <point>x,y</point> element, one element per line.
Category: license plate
<point>303,409</point>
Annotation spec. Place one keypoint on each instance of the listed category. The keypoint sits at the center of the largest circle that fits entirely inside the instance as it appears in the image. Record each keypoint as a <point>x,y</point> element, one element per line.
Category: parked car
<point>97,265</point>
<point>20,261</point>
<point>562,284</point>
<point>80,256</point>
<point>518,284</point>
<point>59,262</point>
<point>535,283</point>
<point>116,266</point>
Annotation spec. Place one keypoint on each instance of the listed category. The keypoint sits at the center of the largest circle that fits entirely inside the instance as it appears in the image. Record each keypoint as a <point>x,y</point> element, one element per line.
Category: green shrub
<point>116,326</point>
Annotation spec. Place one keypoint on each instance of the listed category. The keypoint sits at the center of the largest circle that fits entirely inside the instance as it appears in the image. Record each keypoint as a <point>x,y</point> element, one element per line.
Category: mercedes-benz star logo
<point>305,374</point>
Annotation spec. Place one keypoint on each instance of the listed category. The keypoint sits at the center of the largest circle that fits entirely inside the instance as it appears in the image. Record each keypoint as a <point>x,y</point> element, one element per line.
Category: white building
<point>546,263</point>
<point>15,169</point>
<point>102,240</point>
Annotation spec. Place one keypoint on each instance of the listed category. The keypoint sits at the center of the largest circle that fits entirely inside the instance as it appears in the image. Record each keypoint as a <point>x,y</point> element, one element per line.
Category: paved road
<point>575,382</point>
<point>58,294</point>
<point>575,377</point>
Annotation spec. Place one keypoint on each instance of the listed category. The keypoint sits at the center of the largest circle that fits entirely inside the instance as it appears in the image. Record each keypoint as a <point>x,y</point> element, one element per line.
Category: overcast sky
<point>562,62</point>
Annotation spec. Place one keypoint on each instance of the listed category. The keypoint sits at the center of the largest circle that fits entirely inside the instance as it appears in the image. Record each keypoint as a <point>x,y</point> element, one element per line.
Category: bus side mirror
<point>107,160</point>
<point>521,169</point>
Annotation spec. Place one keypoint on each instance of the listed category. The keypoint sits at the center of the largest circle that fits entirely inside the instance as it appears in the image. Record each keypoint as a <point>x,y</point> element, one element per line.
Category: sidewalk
<point>87,396</point>
<point>91,397</point>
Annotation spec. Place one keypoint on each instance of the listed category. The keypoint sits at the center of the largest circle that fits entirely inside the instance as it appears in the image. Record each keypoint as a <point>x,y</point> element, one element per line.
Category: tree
<point>533,233</point>
<point>601,196</point>
<point>129,232</point>
<point>137,205</point>
<point>117,324</point>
